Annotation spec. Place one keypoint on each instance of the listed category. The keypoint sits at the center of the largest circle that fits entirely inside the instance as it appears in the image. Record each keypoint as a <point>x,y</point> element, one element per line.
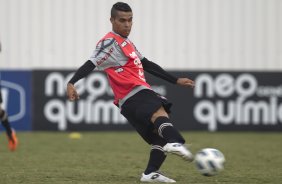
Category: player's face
<point>122,23</point>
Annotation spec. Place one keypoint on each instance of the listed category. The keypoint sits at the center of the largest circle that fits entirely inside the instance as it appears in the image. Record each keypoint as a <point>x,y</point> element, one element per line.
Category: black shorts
<point>139,109</point>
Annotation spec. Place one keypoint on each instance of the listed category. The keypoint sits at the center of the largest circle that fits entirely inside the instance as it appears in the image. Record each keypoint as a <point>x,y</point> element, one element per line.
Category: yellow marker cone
<point>75,135</point>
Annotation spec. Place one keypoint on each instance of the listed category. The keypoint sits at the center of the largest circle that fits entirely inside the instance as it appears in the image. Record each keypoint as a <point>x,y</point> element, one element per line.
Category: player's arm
<point>158,71</point>
<point>102,50</point>
<point>82,72</point>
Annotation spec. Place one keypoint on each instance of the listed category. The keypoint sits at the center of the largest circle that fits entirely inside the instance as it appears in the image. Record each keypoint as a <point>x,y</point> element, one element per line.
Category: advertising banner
<point>230,101</point>
<point>16,93</point>
<point>94,111</point>
<point>220,101</point>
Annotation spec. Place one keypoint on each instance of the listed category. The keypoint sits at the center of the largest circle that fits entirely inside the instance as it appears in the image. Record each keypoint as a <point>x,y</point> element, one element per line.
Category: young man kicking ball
<point>145,110</point>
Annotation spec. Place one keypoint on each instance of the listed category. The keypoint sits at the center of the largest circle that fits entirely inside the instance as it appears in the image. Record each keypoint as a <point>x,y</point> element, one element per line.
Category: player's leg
<point>157,154</point>
<point>153,108</point>
<point>157,157</point>
<point>165,129</point>
<point>11,134</point>
<point>146,130</point>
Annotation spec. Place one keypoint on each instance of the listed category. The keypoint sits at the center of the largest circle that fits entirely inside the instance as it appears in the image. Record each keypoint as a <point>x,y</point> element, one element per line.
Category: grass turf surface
<point>120,157</point>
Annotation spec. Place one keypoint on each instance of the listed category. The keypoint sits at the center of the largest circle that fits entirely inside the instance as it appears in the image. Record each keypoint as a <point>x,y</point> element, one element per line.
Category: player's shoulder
<point>106,41</point>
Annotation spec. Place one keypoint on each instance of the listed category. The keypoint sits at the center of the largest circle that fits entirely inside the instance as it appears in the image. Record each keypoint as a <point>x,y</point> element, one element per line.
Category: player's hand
<point>186,82</point>
<point>72,93</point>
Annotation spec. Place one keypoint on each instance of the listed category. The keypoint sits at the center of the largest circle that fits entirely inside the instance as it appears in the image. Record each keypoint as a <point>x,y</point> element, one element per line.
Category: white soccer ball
<point>209,161</point>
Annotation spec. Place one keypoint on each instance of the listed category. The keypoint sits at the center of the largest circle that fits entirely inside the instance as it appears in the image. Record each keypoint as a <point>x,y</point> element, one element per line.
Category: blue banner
<point>16,91</point>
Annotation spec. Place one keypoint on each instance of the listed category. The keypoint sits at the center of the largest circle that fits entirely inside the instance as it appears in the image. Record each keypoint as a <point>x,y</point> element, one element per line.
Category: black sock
<point>167,131</point>
<point>5,123</point>
<point>157,157</point>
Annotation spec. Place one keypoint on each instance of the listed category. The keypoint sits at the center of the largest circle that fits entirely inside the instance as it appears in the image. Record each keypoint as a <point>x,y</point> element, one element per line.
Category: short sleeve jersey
<point>120,59</point>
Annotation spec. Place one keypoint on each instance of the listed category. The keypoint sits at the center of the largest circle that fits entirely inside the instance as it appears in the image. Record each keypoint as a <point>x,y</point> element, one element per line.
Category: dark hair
<point>120,6</point>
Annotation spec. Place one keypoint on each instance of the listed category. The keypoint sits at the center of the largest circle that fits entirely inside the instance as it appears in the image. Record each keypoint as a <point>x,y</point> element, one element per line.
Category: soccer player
<point>11,134</point>
<point>145,110</point>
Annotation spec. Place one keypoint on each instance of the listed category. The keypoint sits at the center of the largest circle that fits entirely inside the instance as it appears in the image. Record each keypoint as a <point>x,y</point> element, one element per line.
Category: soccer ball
<point>209,161</point>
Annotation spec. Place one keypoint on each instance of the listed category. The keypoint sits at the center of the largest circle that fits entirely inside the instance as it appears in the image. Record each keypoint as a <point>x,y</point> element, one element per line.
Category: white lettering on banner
<point>269,91</point>
<point>91,110</point>
<point>239,109</point>
<point>224,85</point>
<point>51,81</point>
<point>104,110</point>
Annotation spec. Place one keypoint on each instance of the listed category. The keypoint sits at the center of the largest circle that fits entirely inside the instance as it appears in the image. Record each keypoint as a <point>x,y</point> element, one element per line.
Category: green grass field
<point>120,157</point>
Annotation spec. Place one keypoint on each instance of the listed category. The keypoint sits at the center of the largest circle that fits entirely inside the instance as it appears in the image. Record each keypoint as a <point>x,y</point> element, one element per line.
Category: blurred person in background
<point>11,134</point>
<point>145,110</point>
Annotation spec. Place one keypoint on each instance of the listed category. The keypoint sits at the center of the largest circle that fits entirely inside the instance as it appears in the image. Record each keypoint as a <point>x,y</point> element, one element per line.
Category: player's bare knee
<point>160,112</point>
